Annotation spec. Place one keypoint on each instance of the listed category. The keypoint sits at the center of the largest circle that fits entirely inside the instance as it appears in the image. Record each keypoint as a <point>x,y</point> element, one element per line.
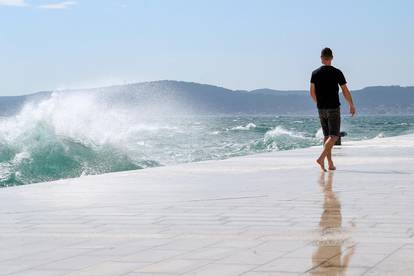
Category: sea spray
<point>249,126</point>
<point>280,138</point>
<point>74,134</point>
<point>66,136</point>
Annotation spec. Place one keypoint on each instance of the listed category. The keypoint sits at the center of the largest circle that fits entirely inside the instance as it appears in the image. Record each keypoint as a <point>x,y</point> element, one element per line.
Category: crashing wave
<point>279,131</point>
<point>246,127</point>
<point>68,136</point>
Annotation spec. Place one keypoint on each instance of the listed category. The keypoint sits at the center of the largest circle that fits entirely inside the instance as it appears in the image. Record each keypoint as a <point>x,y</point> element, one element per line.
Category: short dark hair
<point>326,53</point>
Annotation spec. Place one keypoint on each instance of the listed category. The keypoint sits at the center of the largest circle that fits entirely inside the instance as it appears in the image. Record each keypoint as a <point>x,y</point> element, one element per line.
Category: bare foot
<point>321,163</point>
<point>331,166</point>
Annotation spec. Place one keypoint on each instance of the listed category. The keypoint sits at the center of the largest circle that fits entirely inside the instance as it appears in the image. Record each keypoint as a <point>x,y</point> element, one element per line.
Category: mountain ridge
<point>211,99</point>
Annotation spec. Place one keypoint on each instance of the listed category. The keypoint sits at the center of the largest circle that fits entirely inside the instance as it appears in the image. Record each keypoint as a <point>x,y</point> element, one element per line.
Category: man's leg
<point>323,117</point>
<point>331,165</point>
<point>334,123</point>
<point>322,164</point>
<point>327,150</point>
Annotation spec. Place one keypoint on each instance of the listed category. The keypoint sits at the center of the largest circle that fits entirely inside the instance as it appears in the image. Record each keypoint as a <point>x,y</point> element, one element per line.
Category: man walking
<point>324,91</point>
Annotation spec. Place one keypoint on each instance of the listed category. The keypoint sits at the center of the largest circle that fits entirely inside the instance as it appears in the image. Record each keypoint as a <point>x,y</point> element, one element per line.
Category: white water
<point>73,134</point>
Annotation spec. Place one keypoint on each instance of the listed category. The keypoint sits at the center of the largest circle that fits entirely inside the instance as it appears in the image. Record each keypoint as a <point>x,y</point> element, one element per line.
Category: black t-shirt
<point>326,79</point>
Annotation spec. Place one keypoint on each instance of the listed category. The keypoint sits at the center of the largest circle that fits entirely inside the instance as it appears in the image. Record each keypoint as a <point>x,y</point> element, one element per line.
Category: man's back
<point>326,79</point>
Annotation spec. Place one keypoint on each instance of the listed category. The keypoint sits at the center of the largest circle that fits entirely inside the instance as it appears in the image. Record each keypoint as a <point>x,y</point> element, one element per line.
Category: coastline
<point>36,152</point>
<point>250,215</point>
<point>376,142</point>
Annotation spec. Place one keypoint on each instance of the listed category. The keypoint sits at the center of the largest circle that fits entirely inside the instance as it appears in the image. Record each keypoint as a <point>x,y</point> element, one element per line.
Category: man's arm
<point>348,98</point>
<point>312,92</point>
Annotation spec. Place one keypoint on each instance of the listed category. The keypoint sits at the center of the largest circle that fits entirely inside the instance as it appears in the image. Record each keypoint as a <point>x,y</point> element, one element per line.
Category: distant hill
<point>195,98</point>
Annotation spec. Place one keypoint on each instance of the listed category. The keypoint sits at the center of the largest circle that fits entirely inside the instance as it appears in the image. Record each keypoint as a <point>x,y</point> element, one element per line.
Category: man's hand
<point>348,98</point>
<point>352,110</point>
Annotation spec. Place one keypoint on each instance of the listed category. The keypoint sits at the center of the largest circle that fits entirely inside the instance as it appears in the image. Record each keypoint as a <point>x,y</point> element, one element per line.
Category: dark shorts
<point>330,121</point>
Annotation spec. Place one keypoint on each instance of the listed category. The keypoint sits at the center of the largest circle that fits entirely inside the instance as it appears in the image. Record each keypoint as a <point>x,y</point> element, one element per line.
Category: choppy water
<point>56,140</point>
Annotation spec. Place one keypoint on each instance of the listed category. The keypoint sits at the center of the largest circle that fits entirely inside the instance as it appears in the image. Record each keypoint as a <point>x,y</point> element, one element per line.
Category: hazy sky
<point>238,44</point>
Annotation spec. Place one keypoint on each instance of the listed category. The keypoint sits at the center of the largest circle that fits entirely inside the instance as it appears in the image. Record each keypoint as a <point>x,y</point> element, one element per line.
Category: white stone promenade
<point>265,214</point>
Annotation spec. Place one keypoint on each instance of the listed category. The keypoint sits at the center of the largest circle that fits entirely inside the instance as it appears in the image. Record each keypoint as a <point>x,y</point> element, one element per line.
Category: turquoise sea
<point>43,143</point>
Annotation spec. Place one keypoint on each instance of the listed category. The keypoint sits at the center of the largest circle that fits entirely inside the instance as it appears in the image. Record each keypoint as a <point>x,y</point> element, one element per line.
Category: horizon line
<point>188,82</point>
